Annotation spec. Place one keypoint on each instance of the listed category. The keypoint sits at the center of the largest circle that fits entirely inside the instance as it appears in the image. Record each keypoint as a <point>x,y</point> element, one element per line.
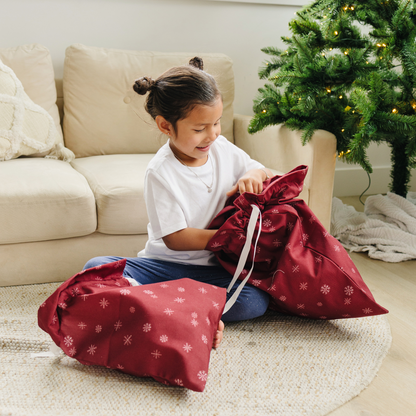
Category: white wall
<point>237,28</point>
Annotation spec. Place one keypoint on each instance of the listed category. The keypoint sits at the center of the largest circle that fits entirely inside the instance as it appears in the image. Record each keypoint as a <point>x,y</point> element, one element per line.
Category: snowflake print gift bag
<point>163,330</point>
<point>306,271</point>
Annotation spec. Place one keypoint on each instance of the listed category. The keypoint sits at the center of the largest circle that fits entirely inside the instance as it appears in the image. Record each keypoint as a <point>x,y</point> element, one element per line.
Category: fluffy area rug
<point>273,365</point>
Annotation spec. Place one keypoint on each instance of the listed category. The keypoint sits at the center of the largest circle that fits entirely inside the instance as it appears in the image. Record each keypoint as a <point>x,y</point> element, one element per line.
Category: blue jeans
<point>251,303</point>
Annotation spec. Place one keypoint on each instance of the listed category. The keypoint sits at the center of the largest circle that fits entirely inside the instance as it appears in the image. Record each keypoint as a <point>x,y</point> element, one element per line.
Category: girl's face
<point>196,133</point>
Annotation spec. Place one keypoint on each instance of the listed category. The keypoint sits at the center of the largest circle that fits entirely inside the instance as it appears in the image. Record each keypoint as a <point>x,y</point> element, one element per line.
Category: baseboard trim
<point>353,180</point>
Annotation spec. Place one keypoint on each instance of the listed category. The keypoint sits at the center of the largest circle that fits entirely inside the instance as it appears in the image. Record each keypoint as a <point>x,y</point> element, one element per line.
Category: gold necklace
<point>209,187</point>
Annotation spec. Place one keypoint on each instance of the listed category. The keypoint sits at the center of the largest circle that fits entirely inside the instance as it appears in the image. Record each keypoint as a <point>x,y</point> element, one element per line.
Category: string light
<point>394,110</point>
<point>328,90</point>
<point>346,53</point>
<point>336,33</point>
<point>340,97</point>
<point>264,111</point>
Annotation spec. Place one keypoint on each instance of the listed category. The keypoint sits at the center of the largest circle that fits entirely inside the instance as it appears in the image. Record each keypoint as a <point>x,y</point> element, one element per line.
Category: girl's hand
<point>251,181</point>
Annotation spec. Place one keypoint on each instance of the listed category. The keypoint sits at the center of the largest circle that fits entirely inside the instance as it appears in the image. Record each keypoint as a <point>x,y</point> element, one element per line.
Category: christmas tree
<point>350,69</point>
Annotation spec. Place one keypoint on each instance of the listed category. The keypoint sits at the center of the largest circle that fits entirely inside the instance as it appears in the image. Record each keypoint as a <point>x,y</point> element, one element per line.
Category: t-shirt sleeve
<point>165,213</point>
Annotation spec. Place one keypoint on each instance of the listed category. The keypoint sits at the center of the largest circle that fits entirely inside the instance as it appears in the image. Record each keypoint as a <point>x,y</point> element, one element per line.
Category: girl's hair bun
<point>197,62</point>
<point>143,85</point>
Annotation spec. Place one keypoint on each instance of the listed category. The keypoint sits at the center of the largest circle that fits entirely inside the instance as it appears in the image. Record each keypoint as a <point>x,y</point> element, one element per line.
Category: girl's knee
<point>97,261</point>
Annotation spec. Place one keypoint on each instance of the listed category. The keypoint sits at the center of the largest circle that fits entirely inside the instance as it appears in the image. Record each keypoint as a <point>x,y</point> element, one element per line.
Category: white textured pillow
<point>25,127</point>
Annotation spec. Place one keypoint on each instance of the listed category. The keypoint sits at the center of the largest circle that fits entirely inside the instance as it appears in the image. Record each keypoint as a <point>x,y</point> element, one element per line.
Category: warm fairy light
<point>352,7</point>
<point>300,98</point>
<point>343,130</point>
<point>330,49</point>
<point>378,45</point>
<point>394,110</point>
<point>384,45</point>
<point>264,111</point>
<point>328,90</point>
<point>323,53</point>
<point>367,62</point>
<point>346,53</point>
<point>336,33</point>
<point>340,97</point>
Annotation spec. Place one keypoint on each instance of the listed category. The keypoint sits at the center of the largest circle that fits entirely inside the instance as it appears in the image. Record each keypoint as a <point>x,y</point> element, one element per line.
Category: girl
<point>187,184</point>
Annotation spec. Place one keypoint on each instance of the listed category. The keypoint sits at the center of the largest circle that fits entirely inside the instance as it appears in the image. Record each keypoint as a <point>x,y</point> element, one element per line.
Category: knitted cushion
<point>25,127</point>
<point>305,270</point>
<point>162,330</point>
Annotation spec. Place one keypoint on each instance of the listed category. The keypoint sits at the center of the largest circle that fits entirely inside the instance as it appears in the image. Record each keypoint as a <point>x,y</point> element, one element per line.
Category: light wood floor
<point>393,391</point>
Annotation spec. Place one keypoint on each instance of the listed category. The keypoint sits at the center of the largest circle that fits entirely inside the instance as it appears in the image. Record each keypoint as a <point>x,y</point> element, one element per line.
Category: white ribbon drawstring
<point>54,351</point>
<point>255,214</point>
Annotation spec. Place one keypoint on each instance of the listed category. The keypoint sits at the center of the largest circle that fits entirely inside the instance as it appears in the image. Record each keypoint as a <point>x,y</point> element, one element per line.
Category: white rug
<point>274,365</point>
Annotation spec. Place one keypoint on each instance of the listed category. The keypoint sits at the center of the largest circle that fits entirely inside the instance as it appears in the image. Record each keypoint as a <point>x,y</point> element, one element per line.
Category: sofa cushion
<point>32,65</point>
<point>117,182</point>
<point>103,115</point>
<point>26,128</point>
<point>44,199</point>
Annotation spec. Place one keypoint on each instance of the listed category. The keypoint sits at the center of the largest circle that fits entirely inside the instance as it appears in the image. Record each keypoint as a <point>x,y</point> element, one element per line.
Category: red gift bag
<point>162,330</point>
<point>305,270</point>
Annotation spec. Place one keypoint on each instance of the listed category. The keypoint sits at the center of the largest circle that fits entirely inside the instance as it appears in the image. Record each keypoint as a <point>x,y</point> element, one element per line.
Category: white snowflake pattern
<point>148,292</point>
<point>272,288</point>
<point>92,349</point>
<point>353,270</point>
<point>203,290</point>
<point>147,327</point>
<point>132,309</point>
<point>43,304</point>
<point>204,339</point>
<point>178,382</point>
<point>241,236</point>
<point>207,321</point>
<point>125,292</point>
<point>84,297</point>
<point>181,289</point>
<point>347,315</point>
<point>347,301</point>
<point>153,296</point>
<point>215,305</point>
<point>128,339</point>
<point>55,319</point>
<point>290,226</point>
<point>267,223</point>
<point>282,298</point>
<point>164,285</point>
<point>118,325</point>
<point>68,341</point>
<point>104,303</point>
<point>194,315</point>
<point>98,277</point>
<point>75,291</point>
<point>348,290</point>
<point>319,304</point>
<point>156,354</point>
<point>164,338</point>
<point>367,311</point>
<point>82,325</point>
<point>287,246</point>
<point>215,245</point>
<point>98,329</point>
<point>168,311</point>
<point>179,300</point>
<point>202,375</point>
<point>305,237</point>
<point>194,322</point>
<point>325,289</point>
<point>325,233</point>
<point>100,285</point>
<point>318,259</point>
<point>256,282</point>
<point>72,352</point>
<point>312,219</point>
<point>187,347</point>
<point>323,317</point>
<point>303,286</point>
<point>63,305</point>
<point>300,306</point>
<point>337,247</point>
<point>296,268</point>
<point>120,367</point>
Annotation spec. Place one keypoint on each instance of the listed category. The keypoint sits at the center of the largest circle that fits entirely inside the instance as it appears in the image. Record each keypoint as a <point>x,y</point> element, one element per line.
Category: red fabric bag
<point>305,270</point>
<point>162,330</point>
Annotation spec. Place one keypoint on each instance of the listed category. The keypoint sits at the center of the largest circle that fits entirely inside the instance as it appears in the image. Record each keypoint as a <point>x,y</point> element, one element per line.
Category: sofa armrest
<point>281,149</point>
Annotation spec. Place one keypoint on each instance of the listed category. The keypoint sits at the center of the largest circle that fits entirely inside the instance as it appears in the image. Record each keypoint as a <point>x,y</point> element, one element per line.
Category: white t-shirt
<point>176,198</point>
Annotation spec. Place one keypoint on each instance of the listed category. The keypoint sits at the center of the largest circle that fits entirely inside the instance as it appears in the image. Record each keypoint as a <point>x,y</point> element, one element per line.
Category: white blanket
<point>386,228</point>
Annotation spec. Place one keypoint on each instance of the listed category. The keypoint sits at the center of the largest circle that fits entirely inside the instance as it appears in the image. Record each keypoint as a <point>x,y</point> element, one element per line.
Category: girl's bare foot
<point>218,335</point>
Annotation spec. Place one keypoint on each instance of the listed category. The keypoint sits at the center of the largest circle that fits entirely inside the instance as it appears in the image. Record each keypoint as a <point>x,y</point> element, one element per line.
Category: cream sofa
<point>55,215</point>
